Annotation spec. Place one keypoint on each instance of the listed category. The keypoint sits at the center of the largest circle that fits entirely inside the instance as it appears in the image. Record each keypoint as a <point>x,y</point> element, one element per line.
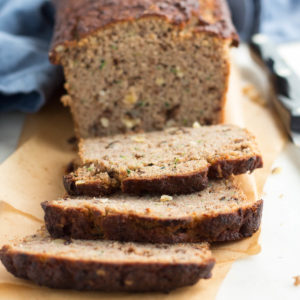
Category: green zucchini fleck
<point>173,70</point>
<point>103,64</point>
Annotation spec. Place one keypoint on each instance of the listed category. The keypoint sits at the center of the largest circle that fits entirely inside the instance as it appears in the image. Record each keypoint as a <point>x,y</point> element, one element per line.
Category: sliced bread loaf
<point>142,64</point>
<point>173,161</point>
<point>106,265</point>
<point>221,212</point>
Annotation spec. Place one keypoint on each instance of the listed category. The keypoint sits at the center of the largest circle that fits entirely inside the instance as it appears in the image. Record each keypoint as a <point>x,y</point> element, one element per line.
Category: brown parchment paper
<point>34,174</point>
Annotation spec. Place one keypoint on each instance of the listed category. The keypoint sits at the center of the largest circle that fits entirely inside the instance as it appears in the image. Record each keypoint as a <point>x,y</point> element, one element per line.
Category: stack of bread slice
<point>140,211</point>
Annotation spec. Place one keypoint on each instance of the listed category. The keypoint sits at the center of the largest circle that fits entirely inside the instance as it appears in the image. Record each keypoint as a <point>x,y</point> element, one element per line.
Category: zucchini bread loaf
<point>134,65</point>
<point>106,265</point>
<point>172,161</point>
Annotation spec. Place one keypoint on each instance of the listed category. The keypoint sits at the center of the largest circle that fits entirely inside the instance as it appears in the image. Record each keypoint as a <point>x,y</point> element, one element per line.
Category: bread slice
<point>221,212</point>
<point>106,265</point>
<point>173,161</point>
<point>141,65</point>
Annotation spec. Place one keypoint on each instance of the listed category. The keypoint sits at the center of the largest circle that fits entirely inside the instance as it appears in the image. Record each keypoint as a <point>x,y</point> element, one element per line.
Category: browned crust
<point>180,184</point>
<point>166,185</point>
<point>63,273</point>
<point>90,223</point>
<point>225,168</point>
<point>76,19</point>
<point>91,188</point>
<point>223,99</point>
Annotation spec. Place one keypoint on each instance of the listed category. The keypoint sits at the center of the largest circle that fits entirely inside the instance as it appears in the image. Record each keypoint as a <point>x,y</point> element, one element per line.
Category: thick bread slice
<point>173,161</point>
<point>221,212</point>
<point>106,265</point>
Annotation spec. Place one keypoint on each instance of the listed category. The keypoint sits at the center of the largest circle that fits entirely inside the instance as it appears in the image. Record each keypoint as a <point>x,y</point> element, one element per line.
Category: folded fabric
<point>27,79</point>
<point>280,20</point>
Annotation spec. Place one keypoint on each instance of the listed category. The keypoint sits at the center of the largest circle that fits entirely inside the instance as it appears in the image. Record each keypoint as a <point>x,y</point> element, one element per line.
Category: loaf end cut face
<point>106,265</point>
<point>143,65</point>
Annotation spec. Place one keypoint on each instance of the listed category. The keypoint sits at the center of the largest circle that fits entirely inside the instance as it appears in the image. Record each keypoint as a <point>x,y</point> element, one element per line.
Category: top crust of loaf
<point>76,19</point>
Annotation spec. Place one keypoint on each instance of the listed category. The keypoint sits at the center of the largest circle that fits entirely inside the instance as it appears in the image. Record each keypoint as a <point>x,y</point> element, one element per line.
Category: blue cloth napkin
<point>27,78</point>
<point>280,20</point>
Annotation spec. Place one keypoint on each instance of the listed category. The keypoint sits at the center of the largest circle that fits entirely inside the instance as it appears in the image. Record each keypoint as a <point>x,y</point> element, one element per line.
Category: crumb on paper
<point>296,280</point>
<point>253,94</point>
<point>276,170</point>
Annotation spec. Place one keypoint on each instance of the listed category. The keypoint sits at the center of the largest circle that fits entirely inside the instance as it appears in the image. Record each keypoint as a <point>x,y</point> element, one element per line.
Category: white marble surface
<point>268,275</point>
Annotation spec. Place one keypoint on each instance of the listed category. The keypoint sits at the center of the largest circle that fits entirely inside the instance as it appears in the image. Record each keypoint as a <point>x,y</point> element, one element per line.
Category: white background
<point>269,275</point>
